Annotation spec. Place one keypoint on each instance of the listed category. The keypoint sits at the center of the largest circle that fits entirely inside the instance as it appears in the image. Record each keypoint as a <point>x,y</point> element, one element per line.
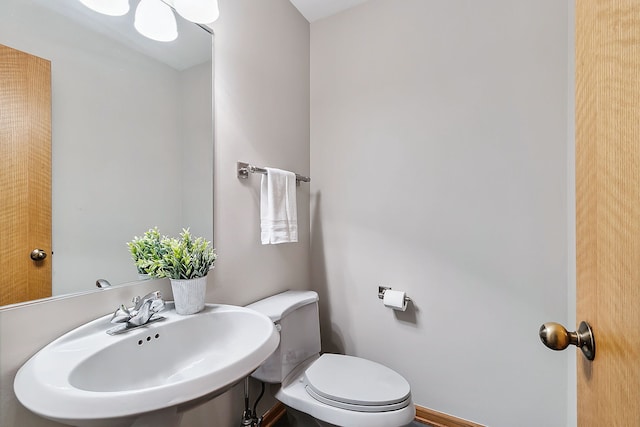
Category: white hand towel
<point>278,210</point>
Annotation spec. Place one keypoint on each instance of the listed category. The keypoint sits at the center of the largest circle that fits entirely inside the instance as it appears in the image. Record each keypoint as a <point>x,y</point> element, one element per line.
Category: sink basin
<point>89,378</point>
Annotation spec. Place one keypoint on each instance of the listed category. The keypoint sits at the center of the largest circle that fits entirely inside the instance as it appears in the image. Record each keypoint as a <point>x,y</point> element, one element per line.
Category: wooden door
<point>608,208</point>
<point>25,175</point>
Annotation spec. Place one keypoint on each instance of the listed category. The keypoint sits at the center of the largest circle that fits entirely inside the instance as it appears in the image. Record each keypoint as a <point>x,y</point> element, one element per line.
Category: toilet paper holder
<point>383,289</point>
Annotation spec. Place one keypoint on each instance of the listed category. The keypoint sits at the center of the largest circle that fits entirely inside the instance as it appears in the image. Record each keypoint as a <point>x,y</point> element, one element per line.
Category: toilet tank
<point>295,314</point>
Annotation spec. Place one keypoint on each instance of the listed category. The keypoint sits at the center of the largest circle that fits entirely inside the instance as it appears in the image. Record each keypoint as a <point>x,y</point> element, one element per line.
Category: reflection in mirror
<point>132,134</point>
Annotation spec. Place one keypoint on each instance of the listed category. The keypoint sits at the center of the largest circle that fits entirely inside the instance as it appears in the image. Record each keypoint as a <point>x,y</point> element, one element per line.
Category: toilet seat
<point>356,384</point>
<point>294,393</point>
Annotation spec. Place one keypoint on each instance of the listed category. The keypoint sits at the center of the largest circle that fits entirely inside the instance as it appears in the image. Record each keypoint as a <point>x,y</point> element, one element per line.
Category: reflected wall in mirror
<point>132,134</point>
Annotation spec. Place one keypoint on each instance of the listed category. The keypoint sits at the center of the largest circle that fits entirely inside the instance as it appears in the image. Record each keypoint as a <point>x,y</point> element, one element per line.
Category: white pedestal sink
<point>147,376</point>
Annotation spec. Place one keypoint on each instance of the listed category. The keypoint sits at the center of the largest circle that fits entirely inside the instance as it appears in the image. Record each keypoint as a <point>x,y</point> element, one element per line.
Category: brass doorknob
<point>556,337</point>
<point>38,254</point>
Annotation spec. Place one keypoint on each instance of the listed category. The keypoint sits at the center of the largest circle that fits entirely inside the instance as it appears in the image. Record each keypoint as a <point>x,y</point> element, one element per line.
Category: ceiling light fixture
<point>108,7</point>
<point>155,20</point>
<point>198,11</point>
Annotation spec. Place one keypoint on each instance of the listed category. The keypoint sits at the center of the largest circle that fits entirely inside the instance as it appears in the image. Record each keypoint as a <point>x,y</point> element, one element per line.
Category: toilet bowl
<point>327,389</point>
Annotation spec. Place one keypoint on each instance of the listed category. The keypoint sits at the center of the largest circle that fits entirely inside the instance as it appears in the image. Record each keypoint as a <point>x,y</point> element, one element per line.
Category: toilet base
<point>300,419</point>
<point>296,418</point>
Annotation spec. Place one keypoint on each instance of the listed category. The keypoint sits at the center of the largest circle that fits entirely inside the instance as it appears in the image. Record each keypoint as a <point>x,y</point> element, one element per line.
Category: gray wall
<point>439,164</point>
<point>262,116</point>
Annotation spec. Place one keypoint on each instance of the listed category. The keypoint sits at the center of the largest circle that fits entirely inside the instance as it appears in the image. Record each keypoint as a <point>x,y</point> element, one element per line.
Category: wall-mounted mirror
<point>131,134</point>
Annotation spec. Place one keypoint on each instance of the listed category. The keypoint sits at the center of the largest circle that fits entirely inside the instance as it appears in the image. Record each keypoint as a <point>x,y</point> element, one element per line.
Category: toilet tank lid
<point>278,306</point>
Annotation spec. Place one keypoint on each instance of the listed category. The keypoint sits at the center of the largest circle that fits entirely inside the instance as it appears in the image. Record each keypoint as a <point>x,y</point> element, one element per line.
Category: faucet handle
<point>157,305</point>
<point>122,314</point>
<point>138,301</point>
<point>147,311</point>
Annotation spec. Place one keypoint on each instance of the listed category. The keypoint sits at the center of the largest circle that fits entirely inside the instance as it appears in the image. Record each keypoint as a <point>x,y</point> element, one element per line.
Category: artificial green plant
<point>146,251</point>
<point>184,258</point>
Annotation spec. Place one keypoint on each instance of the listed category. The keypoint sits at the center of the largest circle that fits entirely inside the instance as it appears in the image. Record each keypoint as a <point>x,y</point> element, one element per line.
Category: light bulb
<point>198,11</point>
<point>108,7</point>
<point>155,20</point>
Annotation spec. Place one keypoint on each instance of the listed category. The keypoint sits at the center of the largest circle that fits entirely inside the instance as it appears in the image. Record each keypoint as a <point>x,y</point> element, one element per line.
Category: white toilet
<point>328,389</point>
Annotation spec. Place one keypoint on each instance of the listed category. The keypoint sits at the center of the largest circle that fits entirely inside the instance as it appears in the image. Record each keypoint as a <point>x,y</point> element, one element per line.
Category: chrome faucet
<point>144,311</point>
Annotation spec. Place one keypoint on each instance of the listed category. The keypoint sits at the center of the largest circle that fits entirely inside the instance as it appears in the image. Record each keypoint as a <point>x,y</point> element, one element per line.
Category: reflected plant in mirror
<point>146,252</point>
<point>126,111</point>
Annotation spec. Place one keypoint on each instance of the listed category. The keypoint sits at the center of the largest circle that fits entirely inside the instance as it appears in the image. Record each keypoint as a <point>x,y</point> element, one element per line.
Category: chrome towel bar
<point>244,169</point>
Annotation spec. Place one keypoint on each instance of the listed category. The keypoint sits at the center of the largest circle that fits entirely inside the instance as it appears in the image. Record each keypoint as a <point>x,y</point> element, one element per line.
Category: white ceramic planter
<point>189,294</point>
